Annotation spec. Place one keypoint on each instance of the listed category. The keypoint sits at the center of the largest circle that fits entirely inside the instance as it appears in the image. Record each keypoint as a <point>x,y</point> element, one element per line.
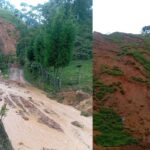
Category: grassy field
<point>70,77</point>
<point>78,77</point>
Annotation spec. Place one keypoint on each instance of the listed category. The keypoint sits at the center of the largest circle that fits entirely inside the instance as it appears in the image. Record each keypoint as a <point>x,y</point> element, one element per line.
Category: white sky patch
<point>120,15</point>
<point>30,2</point>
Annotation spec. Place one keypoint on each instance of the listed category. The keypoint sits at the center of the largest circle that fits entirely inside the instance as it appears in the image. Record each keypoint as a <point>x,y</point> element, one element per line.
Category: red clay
<point>8,37</point>
<point>134,106</point>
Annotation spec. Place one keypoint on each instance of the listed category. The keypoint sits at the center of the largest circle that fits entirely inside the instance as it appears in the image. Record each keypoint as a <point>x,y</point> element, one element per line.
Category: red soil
<point>8,37</point>
<point>134,106</point>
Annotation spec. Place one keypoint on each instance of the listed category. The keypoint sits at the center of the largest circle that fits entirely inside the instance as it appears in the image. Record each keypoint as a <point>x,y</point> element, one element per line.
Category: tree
<point>146,29</point>
<point>46,48</point>
<point>59,43</point>
<point>82,9</point>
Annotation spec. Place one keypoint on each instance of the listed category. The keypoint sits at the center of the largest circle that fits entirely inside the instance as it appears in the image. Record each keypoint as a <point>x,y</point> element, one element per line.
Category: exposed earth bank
<point>8,37</point>
<point>124,58</point>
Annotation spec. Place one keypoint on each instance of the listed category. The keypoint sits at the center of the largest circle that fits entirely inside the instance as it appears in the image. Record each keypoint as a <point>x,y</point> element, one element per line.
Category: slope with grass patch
<point>121,83</point>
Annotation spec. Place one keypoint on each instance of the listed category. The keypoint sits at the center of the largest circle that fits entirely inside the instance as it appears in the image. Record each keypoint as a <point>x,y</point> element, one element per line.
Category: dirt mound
<point>78,99</point>
<point>8,37</point>
<point>120,65</point>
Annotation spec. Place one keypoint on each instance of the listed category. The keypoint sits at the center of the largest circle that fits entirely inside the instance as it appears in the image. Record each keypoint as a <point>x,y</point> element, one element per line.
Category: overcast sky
<point>120,15</point>
<point>31,2</point>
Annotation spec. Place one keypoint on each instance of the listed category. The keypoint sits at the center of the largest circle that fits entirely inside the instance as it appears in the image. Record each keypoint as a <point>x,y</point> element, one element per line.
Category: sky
<point>30,2</point>
<point>127,16</point>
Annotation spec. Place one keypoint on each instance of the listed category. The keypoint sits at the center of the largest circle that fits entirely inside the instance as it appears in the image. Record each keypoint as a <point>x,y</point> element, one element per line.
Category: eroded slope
<point>8,37</point>
<point>121,65</point>
<point>36,122</point>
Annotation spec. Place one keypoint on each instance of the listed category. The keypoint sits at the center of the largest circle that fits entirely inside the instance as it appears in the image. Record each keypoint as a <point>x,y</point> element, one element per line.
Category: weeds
<point>112,132</point>
<point>138,79</point>
<point>101,89</point>
<point>115,70</point>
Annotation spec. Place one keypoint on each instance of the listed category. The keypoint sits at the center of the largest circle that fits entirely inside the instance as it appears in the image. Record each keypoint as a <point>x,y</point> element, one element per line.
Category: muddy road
<point>35,122</point>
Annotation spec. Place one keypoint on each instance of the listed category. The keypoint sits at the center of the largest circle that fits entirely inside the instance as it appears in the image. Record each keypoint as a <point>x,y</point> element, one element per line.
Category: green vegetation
<point>11,18</point>
<point>79,77</point>
<point>111,129</point>
<point>137,56</point>
<point>116,37</point>
<point>72,77</point>
<point>3,111</point>
<point>124,51</point>
<point>146,39</point>
<point>115,70</point>
<point>138,79</point>
<point>5,61</point>
<point>140,58</point>
<point>86,114</point>
<point>51,50</point>
<point>101,89</point>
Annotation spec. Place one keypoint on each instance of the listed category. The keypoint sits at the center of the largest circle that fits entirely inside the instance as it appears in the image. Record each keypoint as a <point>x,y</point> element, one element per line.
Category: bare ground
<point>35,122</point>
<point>134,105</point>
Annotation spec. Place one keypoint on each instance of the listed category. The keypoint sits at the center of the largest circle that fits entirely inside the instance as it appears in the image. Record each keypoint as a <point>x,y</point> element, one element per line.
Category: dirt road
<point>35,122</point>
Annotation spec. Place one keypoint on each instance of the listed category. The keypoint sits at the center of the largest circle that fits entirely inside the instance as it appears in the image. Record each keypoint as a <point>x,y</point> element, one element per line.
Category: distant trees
<point>146,30</point>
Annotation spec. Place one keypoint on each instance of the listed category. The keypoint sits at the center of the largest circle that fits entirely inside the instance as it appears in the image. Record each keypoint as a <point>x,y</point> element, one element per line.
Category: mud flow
<point>35,122</point>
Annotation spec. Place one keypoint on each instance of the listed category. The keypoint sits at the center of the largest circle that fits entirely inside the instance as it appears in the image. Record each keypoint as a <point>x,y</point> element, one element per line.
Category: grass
<point>141,59</point>
<point>138,56</point>
<point>115,70</point>
<point>138,79</point>
<point>116,37</point>
<point>124,51</point>
<point>75,76</point>
<point>101,89</point>
<point>147,41</point>
<point>70,76</point>
<point>111,129</point>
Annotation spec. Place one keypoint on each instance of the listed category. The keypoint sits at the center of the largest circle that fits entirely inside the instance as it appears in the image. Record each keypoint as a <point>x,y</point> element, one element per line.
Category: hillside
<point>8,37</point>
<point>8,32</point>
<point>122,91</point>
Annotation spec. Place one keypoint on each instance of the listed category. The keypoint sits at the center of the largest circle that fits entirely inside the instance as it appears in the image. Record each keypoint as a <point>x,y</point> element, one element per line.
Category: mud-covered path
<point>35,122</point>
